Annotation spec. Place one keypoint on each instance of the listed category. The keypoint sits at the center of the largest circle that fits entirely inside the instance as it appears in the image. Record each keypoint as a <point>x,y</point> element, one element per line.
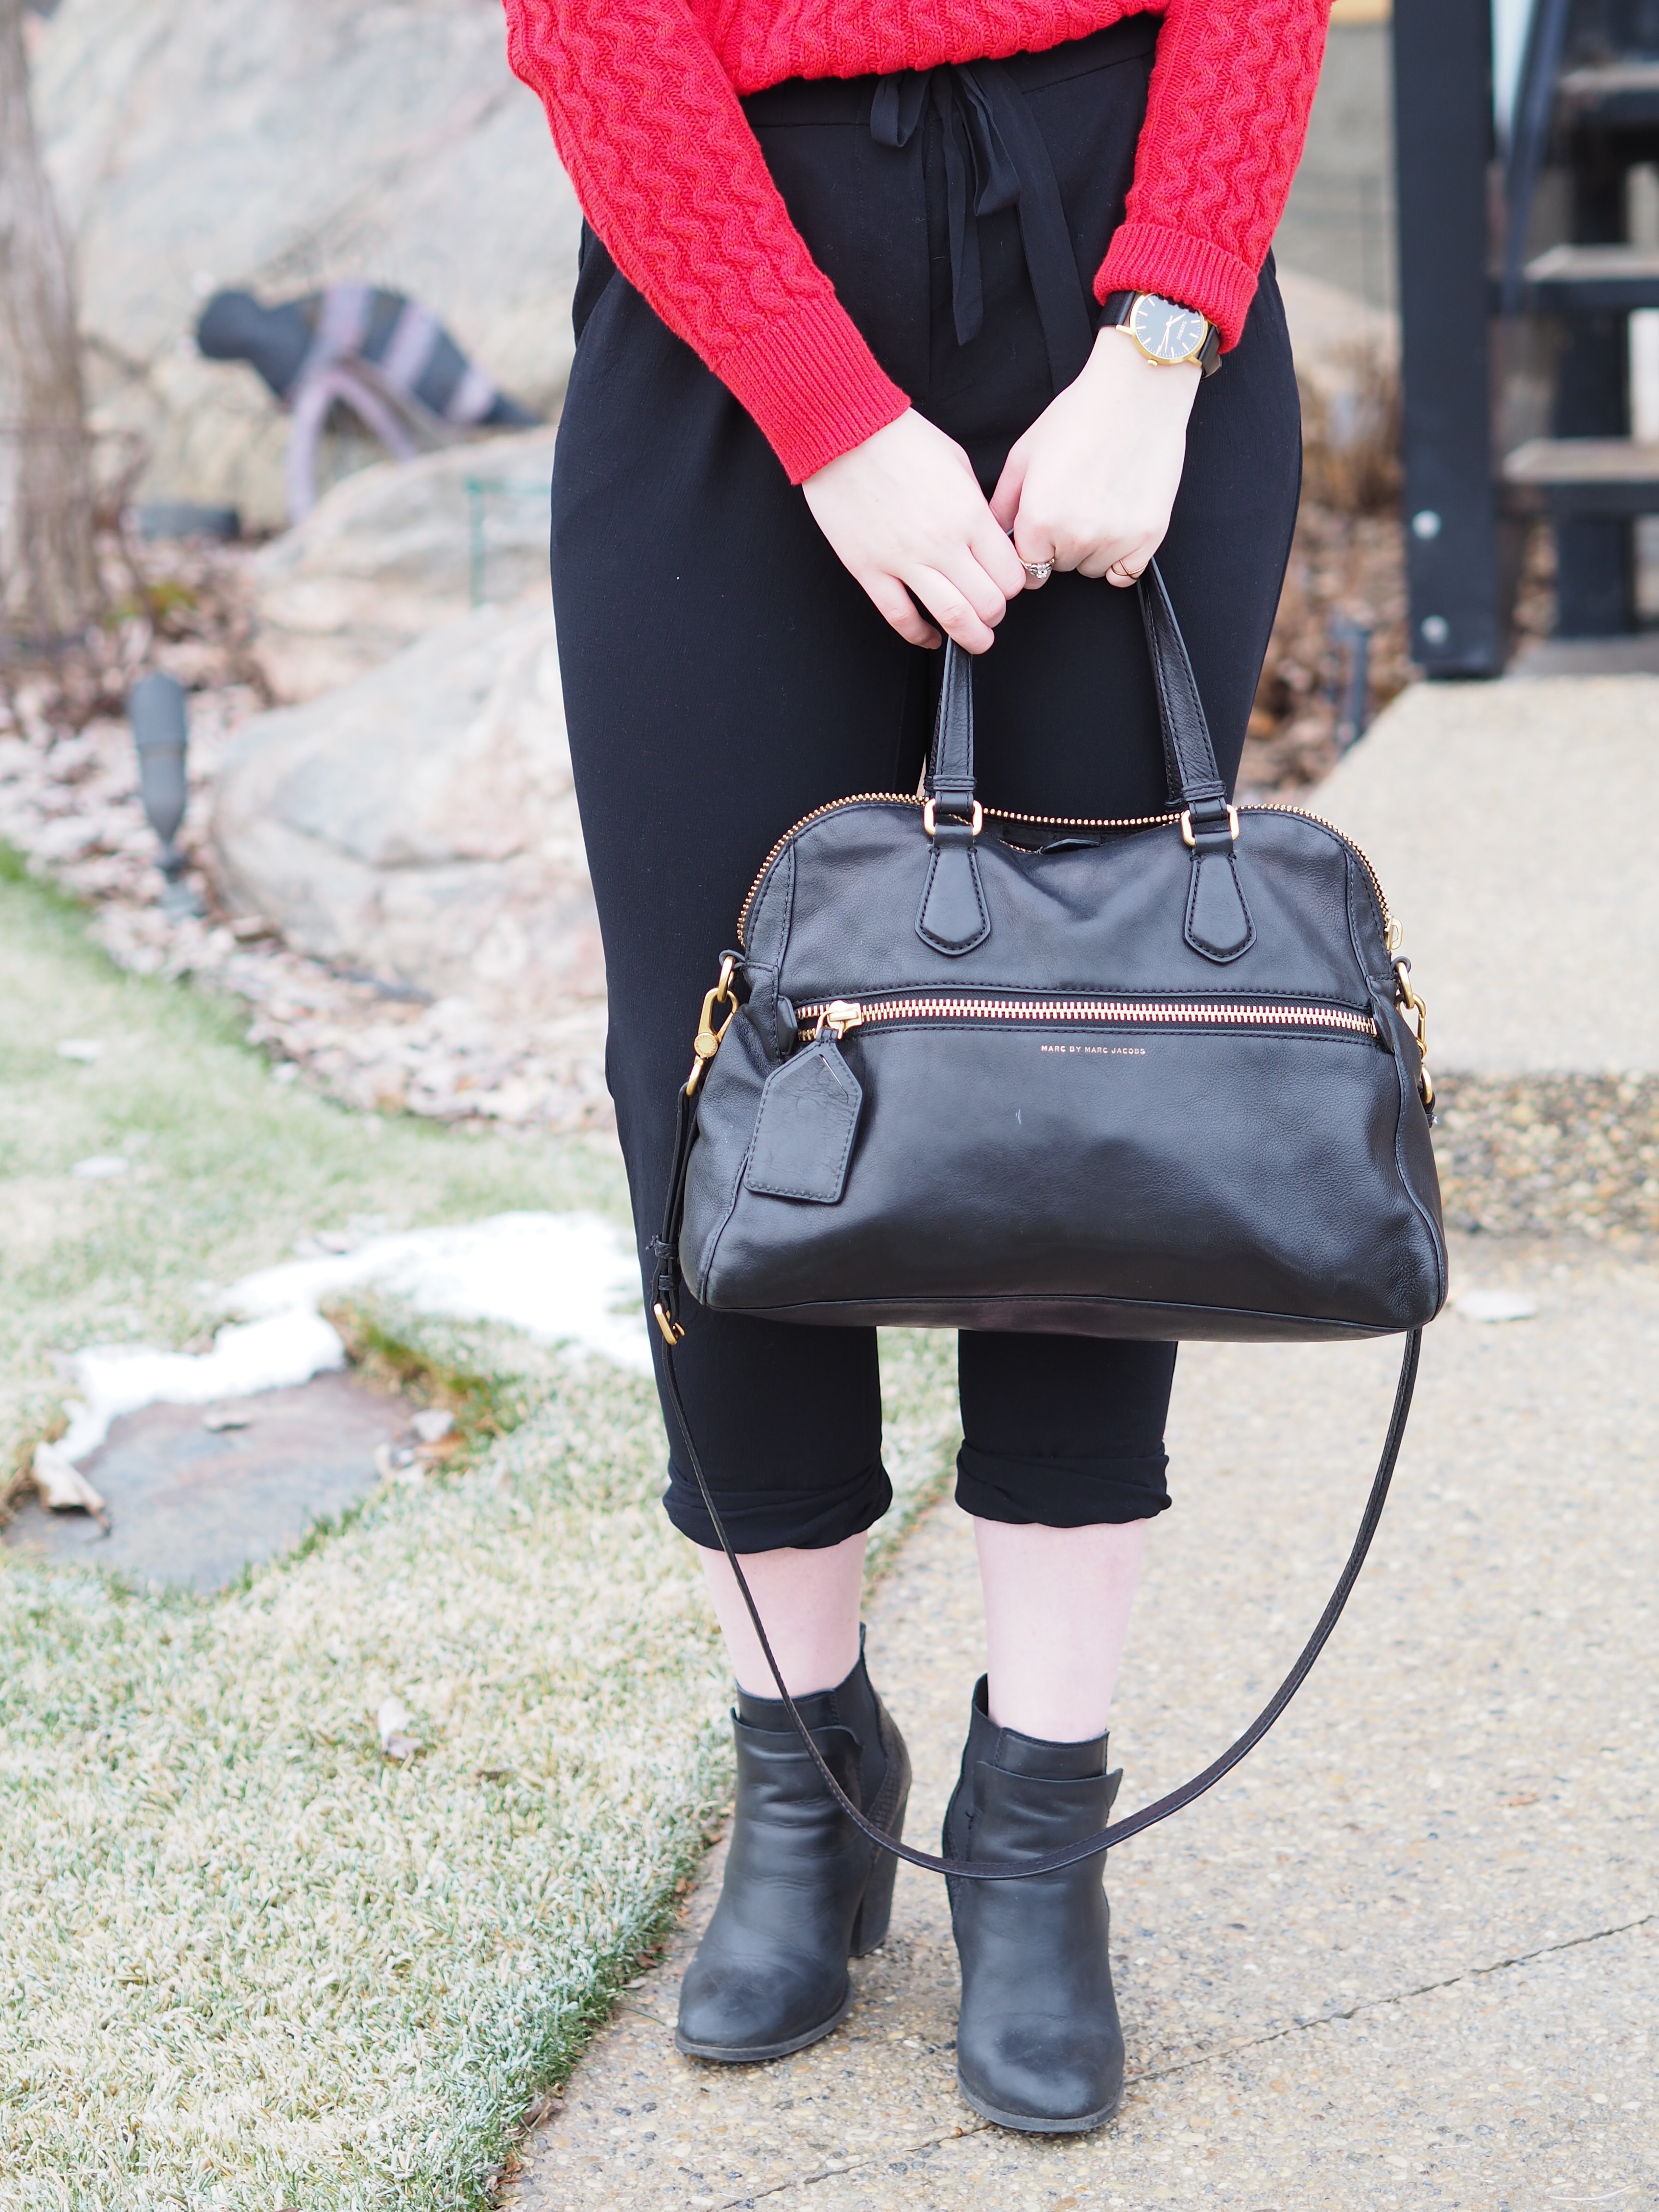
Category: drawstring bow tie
<point>994,159</point>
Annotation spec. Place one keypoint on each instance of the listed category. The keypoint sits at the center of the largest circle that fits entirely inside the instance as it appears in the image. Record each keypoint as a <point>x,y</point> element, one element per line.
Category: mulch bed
<point>1543,1155</point>
<point>70,803</point>
<point>1346,568</point>
<point>1347,565</point>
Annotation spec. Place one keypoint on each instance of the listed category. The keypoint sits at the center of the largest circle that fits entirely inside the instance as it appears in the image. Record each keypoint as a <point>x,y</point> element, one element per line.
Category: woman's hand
<point>1090,484</point>
<point>905,514</point>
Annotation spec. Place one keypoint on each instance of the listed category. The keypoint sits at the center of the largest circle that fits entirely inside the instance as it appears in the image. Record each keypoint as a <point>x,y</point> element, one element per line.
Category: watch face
<point>1165,330</point>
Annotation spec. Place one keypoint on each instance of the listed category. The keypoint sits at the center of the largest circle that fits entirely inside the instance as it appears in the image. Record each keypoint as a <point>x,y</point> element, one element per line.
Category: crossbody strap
<point>1195,786</point>
<point>1120,1831</point>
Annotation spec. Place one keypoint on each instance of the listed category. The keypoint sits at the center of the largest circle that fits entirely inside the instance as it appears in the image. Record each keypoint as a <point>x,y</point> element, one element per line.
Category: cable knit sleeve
<point>671,178</point>
<point>1225,119</point>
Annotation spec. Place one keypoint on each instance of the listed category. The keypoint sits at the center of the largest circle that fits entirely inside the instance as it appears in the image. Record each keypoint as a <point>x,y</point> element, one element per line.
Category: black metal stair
<point>1552,315</point>
<point>1620,95</point>
<point>1580,279</point>
<point>1605,120</point>
<point>1578,476</point>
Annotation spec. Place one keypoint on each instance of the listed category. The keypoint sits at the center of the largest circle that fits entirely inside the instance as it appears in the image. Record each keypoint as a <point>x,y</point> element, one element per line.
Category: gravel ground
<point>1545,1153</point>
<point>1407,1957</point>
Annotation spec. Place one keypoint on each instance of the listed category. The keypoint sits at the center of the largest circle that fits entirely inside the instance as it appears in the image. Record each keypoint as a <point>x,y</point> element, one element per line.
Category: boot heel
<point>876,1907</point>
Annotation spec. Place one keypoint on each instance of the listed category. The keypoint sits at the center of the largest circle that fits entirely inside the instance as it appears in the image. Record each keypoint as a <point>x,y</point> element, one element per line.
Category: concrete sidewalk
<point>1508,823</point>
<point>1409,1955</point>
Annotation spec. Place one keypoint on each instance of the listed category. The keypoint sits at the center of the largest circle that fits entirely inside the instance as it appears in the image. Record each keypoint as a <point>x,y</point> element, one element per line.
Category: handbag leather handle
<point>950,761</point>
<point>1194,780</point>
<point>1195,784</point>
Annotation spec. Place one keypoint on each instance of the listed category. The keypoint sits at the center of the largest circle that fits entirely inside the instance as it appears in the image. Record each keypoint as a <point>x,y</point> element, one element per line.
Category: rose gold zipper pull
<point>838,1017</point>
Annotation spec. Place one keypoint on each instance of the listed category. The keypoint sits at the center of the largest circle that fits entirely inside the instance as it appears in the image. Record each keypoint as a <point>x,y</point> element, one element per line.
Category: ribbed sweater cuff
<point>811,383</point>
<point>1144,257</point>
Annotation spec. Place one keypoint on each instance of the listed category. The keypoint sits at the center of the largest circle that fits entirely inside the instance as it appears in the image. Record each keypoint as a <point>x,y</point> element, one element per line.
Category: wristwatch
<point>1165,332</point>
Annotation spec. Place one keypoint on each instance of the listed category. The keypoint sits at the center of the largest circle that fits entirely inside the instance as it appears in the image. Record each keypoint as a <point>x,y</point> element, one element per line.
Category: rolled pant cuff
<point>760,1520</point>
<point>1060,1494</point>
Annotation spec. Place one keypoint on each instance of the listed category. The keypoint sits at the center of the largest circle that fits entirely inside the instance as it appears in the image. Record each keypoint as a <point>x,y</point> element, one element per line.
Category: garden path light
<point>156,708</point>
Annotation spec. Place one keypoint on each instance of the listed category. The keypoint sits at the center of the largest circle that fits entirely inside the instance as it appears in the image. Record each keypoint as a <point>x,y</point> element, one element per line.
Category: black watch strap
<point>1115,312</point>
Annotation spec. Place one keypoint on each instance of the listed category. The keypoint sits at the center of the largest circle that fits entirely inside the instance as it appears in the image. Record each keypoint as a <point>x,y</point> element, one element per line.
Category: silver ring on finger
<point>1038,571</point>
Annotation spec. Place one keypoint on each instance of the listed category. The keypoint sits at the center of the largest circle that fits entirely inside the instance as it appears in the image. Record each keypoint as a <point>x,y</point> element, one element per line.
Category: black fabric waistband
<point>844,99</point>
<point>994,160</point>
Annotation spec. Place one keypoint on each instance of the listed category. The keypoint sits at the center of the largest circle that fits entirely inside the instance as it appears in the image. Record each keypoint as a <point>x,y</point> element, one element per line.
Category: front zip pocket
<point>838,1016</point>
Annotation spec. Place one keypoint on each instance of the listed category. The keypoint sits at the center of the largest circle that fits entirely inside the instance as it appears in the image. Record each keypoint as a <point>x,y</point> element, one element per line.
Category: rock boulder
<point>397,551</point>
<point>419,825</point>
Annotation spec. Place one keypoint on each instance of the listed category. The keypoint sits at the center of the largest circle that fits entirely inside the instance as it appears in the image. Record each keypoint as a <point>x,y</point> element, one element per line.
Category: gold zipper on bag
<point>1057,822</point>
<point>858,799</point>
<point>838,1016</point>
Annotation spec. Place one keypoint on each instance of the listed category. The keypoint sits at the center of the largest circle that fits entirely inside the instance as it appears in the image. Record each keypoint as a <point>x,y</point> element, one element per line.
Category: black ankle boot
<point>804,1890</point>
<point>1039,2047</point>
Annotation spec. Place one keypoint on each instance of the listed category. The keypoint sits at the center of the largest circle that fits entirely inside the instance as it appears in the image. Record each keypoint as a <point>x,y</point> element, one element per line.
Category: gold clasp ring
<point>707,1043</point>
<point>976,823</point>
<point>1409,1003</point>
<point>673,1331</point>
<point>1187,836</point>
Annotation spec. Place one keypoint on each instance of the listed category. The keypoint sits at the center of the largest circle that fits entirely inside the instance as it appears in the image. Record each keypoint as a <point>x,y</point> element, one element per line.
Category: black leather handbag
<point>1162,1078</point>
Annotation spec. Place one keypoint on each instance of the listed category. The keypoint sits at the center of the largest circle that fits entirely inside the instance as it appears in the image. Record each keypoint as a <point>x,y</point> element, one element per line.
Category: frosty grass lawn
<point>245,1961</point>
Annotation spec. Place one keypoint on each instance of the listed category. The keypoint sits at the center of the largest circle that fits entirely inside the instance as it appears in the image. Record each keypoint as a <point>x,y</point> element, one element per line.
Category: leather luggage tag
<point>809,1115</point>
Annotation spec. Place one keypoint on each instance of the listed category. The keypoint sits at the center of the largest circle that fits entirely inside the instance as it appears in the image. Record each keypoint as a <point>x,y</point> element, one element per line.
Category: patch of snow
<point>86,1050</point>
<point>558,1277</point>
<point>99,1165</point>
<point>273,1353</point>
<point>561,1278</point>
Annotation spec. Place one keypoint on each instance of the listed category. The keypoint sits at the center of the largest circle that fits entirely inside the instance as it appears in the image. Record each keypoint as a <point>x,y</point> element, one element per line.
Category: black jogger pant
<point>723,676</point>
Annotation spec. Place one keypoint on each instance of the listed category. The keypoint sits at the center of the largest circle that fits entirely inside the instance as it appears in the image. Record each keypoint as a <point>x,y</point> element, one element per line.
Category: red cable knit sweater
<point>642,96</point>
